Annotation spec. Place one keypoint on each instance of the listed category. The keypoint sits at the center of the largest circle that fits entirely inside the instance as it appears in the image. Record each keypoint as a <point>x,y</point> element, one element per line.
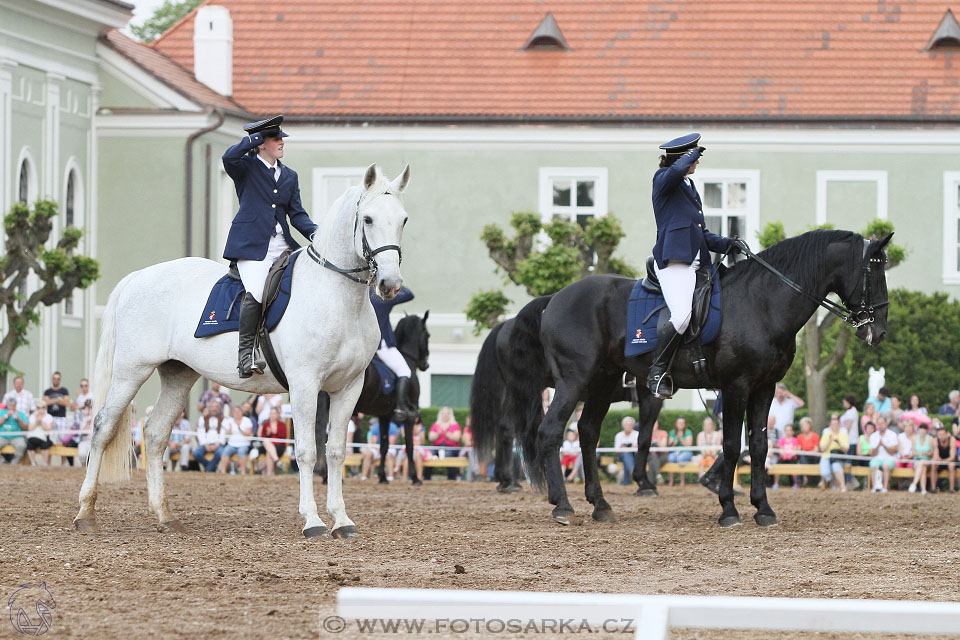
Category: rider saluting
<point>390,355</point>
<point>269,193</point>
<point>683,244</point>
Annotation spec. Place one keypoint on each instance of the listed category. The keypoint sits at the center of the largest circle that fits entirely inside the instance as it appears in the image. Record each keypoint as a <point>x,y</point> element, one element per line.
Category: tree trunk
<point>816,368</point>
<point>7,347</point>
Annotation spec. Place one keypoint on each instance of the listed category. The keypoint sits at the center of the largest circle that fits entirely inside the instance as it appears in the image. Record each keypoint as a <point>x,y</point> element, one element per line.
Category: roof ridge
<point>176,25</point>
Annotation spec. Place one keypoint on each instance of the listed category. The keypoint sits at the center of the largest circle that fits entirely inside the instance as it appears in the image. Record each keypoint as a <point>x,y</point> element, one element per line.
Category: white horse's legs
<point>113,416</point>
<point>176,379</point>
<point>342,404</point>
<point>304,400</point>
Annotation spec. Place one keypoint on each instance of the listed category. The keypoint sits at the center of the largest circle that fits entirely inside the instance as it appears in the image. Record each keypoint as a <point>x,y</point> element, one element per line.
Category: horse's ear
<point>884,242</point>
<point>401,182</point>
<point>370,176</point>
<point>426,314</point>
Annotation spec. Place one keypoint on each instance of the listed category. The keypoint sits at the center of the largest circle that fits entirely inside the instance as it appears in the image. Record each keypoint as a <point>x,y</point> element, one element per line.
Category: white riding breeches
<point>253,273</point>
<point>392,357</point>
<point>677,281</point>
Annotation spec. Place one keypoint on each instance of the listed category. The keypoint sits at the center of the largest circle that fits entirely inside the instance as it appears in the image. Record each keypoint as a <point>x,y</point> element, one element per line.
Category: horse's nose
<point>389,288</point>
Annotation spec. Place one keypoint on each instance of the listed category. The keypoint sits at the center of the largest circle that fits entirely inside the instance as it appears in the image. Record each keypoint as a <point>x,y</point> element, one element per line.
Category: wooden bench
<point>55,450</point>
<point>459,462</point>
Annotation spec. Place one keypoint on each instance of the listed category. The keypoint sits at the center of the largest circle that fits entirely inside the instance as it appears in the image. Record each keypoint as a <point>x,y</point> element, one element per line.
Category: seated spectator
<point>881,404</point>
<point>896,411</point>
<point>569,452</point>
<point>774,431</point>
<point>808,440</point>
<point>922,454</point>
<point>210,438</point>
<point>656,459</point>
<point>833,442</point>
<point>12,421</point>
<point>788,446</point>
<point>869,414</point>
<point>627,439</point>
<point>884,446</point>
<point>952,407</point>
<point>850,421</point>
<point>23,398</point>
<point>420,453</point>
<point>680,436</point>
<point>944,457</point>
<point>914,404</point>
<point>266,403</point>
<point>863,444</point>
<point>883,423</point>
<point>371,455</point>
<point>39,436</point>
<point>468,452</point>
<point>211,394</point>
<point>57,399</point>
<point>179,444</point>
<point>446,432</point>
<point>272,431</point>
<point>709,440</point>
<point>905,450</point>
<point>238,429</point>
<point>84,425</point>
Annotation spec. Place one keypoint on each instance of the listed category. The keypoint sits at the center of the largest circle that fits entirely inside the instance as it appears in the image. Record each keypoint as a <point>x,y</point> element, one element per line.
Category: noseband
<point>368,254</point>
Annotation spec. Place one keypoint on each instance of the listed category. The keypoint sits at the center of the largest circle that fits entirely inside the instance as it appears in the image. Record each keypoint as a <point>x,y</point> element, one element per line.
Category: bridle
<point>371,266</point>
<point>420,363</point>
<point>863,313</point>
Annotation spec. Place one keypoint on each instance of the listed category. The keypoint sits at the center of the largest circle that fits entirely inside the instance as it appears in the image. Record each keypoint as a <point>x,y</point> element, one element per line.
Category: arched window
<point>25,180</point>
<point>23,191</point>
<point>70,205</point>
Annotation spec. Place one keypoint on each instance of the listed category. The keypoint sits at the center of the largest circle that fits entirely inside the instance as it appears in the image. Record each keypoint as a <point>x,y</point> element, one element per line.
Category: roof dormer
<point>546,37</point>
<point>947,35</point>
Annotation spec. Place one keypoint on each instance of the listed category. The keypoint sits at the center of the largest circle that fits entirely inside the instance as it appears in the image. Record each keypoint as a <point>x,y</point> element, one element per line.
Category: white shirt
<point>235,431</point>
<point>210,436</point>
<point>889,439</point>
<point>624,441</point>
<point>783,411</point>
<point>851,420</point>
<point>276,176</point>
<point>24,400</point>
<point>570,447</point>
<point>906,445</point>
<point>264,416</point>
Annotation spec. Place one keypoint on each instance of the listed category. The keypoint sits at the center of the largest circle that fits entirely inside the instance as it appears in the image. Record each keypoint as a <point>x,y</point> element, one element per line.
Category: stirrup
<point>259,365</point>
<point>629,381</point>
<point>658,382</point>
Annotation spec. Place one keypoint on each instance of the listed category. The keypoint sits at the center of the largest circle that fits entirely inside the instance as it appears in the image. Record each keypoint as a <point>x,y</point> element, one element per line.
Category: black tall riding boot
<point>249,319</point>
<point>659,380</point>
<point>403,409</point>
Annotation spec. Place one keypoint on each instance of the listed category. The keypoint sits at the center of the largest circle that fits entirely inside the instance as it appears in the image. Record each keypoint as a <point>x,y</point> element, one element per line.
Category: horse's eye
<point>367,220</point>
<point>405,222</point>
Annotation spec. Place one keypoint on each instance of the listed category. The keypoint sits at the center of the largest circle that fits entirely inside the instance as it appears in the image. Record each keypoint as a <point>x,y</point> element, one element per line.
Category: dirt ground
<point>245,571</point>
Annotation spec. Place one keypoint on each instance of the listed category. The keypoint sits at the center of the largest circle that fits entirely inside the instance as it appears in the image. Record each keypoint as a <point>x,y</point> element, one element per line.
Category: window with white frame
<point>857,197</point>
<point>73,217</point>
<point>574,194</point>
<point>329,183</point>
<point>951,227</point>
<point>731,201</point>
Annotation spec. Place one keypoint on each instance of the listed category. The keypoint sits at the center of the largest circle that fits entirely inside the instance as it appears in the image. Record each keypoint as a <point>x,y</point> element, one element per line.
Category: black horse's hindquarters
<point>583,330</point>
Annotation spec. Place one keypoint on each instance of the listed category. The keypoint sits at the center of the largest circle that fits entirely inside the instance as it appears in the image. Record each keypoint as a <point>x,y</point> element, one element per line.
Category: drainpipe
<point>188,177</point>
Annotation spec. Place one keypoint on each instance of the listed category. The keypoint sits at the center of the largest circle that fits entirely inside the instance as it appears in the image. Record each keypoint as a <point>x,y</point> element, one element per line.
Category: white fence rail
<point>651,616</point>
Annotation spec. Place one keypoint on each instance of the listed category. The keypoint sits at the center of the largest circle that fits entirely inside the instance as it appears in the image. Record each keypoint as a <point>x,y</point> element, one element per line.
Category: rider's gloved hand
<point>738,245</point>
<point>701,150</point>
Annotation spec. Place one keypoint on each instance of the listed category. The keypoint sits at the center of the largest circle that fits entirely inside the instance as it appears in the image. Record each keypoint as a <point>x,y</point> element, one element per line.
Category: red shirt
<point>275,435</point>
<point>809,442</point>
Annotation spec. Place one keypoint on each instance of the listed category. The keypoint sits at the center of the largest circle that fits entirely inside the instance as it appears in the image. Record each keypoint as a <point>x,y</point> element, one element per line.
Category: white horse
<point>325,341</point>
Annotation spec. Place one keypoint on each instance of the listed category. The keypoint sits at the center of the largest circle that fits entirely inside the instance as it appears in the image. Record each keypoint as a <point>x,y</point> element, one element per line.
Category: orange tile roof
<point>172,74</point>
<point>738,59</point>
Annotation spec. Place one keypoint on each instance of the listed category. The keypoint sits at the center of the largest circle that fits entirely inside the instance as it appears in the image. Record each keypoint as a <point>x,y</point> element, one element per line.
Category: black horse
<point>413,343</point>
<point>578,343</point>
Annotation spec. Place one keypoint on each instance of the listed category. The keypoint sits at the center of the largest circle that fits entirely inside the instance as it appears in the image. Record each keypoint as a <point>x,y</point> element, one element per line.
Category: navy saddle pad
<point>644,309</point>
<point>222,311</point>
<point>387,376</point>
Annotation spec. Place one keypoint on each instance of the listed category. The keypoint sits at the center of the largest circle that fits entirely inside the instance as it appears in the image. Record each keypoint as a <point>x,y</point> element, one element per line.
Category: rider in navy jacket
<point>683,243</point>
<point>391,356</point>
<point>269,194</point>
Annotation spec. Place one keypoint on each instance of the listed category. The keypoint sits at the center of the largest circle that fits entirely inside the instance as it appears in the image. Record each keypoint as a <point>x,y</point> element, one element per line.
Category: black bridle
<point>368,254</point>
<point>864,313</point>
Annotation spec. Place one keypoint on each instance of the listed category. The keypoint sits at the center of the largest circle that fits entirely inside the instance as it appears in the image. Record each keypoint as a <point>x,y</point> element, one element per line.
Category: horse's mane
<point>808,249</point>
<point>405,325</point>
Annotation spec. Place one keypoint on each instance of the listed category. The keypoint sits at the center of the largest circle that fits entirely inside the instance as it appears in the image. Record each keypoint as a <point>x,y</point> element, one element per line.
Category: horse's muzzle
<point>388,288</point>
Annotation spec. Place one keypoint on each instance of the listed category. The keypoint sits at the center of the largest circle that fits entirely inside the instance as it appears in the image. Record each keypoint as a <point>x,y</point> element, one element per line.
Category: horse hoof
<point>171,526</point>
<point>417,483</point>
<point>384,481</point>
<point>86,525</point>
<point>605,515</point>
<point>315,532</point>
<point>348,531</point>
<point>647,493</point>
<point>510,488</point>
<point>563,517</point>
<point>766,520</point>
<point>730,521</point>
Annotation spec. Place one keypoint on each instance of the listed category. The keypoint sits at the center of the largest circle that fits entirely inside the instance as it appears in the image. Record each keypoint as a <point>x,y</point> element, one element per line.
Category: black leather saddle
<point>702,294</point>
<point>271,287</point>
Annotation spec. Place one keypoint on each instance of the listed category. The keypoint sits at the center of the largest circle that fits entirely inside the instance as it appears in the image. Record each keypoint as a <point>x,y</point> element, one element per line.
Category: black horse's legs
<point>649,410</point>
<point>588,426</point>
<point>384,447</point>
<point>503,462</point>
<point>733,408</point>
<point>758,407</point>
<point>408,439</point>
<point>549,438</point>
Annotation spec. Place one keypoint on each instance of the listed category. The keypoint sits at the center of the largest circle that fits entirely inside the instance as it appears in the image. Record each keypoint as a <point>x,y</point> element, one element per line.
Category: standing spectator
<point>273,430</point>
<point>881,404</point>
<point>39,437</point>
<point>656,459</point>
<point>952,407</point>
<point>371,455</point>
<point>915,404</point>
<point>850,421</point>
<point>213,393</point>
<point>446,432</point>
<point>239,433</point>
<point>896,411</point>
<point>83,424</point>
<point>77,404</point>
<point>709,441</point>
<point>24,398</point>
<point>420,453</point>
<point>774,431</point>
<point>783,407</point>
<point>869,414</point>
<point>627,439</point>
<point>569,452</point>
<point>833,442</point>
<point>13,420</point>
<point>180,444</point>
<point>681,436</point>
<point>265,404</point>
<point>922,454</point>
<point>808,440</point>
<point>884,446</point>
<point>58,401</point>
<point>944,455</point>
<point>209,437</point>
<point>788,446</point>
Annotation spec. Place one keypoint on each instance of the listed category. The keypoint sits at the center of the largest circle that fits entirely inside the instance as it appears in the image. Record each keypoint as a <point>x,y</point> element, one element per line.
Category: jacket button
<point>274,206</point>
<point>700,225</point>
<point>274,190</point>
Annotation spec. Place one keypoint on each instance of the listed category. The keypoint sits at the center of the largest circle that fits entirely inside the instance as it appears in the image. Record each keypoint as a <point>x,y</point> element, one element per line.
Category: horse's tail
<point>486,396</point>
<point>115,463</point>
<point>526,374</point>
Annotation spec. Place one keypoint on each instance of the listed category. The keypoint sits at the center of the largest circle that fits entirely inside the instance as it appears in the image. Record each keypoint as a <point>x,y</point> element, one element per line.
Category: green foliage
<point>485,309</point>
<point>169,13</point>
<point>526,223</point>
<point>549,271</point>
<point>880,229</point>
<point>771,234</point>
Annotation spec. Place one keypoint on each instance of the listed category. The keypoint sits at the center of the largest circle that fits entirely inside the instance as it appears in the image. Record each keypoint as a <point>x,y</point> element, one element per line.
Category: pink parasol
<point>917,417</point>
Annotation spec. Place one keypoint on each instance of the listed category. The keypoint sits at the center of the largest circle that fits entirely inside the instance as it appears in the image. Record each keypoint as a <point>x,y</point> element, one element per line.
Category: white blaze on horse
<point>325,340</point>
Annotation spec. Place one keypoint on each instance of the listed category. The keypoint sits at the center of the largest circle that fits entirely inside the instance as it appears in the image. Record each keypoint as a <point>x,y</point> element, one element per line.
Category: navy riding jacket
<point>383,308</point>
<point>263,203</point>
<point>682,232</point>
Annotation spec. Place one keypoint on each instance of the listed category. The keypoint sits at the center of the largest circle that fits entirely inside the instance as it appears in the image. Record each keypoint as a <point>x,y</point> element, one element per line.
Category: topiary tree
<point>573,252</point>
<point>59,271</point>
<point>166,15</point>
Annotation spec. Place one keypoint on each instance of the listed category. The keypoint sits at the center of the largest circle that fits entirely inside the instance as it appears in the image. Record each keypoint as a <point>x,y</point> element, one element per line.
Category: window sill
<point>71,322</point>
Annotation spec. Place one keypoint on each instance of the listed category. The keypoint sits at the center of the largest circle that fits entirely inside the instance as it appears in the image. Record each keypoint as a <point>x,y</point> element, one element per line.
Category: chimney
<point>213,48</point>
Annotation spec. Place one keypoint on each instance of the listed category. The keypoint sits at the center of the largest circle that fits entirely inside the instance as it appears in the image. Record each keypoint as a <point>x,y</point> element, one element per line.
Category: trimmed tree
<point>573,252</point>
<point>59,270</point>
<point>166,15</point>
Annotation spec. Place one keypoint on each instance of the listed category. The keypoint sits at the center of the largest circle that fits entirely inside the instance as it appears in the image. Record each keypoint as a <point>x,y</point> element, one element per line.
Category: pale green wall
<point>116,94</point>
